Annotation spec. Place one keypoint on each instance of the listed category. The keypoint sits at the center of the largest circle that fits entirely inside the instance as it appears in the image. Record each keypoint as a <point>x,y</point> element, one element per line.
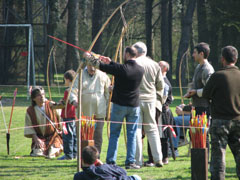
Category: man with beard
<point>202,73</point>
<point>125,102</point>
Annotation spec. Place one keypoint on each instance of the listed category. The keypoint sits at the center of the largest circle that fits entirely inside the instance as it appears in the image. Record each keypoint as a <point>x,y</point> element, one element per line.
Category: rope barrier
<point>119,122</point>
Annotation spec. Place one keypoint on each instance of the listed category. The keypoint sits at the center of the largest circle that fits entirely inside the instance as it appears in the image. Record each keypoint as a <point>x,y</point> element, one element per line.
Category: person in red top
<point>68,116</point>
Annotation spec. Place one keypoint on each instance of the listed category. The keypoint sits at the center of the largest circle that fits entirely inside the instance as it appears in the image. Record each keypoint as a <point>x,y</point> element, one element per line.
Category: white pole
<point>33,60</point>
<point>79,122</point>
<point>29,58</point>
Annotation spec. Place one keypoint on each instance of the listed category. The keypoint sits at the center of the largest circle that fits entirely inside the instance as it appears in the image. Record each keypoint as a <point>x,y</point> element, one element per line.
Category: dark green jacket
<point>223,91</point>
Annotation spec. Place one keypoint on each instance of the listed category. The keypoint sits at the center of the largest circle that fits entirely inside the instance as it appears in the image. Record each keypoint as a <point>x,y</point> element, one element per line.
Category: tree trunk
<point>51,28</point>
<point>202,21</point>
<point>166,34</point>
<point>148,24</point>
<point>72,57</point>
<point>169,74</point>
<point>164,30</point>
<point>186,24</point>
<point>215,24</point>
<point>97,23</point>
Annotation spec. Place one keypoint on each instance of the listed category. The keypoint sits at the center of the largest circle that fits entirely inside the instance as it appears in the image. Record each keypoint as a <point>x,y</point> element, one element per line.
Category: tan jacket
<point>95,93</point>
<point>152,82</point>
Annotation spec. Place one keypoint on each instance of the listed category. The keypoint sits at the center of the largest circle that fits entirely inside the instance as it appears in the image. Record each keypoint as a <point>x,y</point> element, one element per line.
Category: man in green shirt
<point>223,91</point>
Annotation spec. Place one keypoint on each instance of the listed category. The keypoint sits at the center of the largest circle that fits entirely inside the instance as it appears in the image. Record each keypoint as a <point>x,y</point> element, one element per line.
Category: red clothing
<point>70,108</point>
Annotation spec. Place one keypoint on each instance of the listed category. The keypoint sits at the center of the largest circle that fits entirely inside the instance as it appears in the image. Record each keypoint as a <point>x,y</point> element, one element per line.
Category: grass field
<point>19,165</point>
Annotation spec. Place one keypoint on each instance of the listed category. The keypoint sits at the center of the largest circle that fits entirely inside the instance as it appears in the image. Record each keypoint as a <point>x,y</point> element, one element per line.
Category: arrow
<point>65,42</point>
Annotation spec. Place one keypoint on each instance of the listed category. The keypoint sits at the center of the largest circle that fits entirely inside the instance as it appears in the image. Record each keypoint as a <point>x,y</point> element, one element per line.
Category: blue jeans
<point>117,115</point>
<point>178,121</point>
<point>70,139</point>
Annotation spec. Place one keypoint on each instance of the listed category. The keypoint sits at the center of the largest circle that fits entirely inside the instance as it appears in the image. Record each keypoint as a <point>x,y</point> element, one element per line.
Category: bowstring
<point>55,66</point>
<point>45,115</point>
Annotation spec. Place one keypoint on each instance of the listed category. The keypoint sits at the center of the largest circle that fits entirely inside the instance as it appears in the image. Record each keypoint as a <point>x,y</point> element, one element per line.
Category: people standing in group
<point>42,125</point>
<point>68,116</point>
<point>223,91</point>
<point>125,102</point>
<point>152,82</point>
<point>95,95</point>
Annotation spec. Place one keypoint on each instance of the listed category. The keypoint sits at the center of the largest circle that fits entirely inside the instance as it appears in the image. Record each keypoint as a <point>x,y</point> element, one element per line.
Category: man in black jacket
<point>125,99</point>
<point>223,91</point>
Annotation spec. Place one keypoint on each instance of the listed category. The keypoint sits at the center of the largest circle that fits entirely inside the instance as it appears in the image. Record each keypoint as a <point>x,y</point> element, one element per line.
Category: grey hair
<point>141,48</point>
<point>165,64</point>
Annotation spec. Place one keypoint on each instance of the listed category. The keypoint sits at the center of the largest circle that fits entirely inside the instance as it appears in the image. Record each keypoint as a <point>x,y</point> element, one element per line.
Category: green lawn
<point>19,165</point>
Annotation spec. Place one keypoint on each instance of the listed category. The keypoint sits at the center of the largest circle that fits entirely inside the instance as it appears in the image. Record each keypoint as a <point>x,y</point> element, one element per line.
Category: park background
<point>170,29</point>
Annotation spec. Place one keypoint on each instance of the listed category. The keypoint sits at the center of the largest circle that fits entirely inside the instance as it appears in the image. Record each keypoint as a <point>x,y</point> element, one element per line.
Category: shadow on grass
<point>40,170</point>
<point>36,167</point>
<point>231,173</point>
<point>22,101</point>
<point>176,178</point>
<point>26,162</point>
<point>231,170</point>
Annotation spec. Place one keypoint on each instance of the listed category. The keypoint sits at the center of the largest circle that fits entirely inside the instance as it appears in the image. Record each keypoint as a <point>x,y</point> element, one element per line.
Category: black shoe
<point>159,164</point>
<point>111,163</point>
<point>132,166</point>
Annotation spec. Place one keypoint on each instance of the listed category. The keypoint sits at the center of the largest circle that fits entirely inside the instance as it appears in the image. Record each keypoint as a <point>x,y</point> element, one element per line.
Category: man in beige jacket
<point>95,94</point>
<point>151,83</point>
